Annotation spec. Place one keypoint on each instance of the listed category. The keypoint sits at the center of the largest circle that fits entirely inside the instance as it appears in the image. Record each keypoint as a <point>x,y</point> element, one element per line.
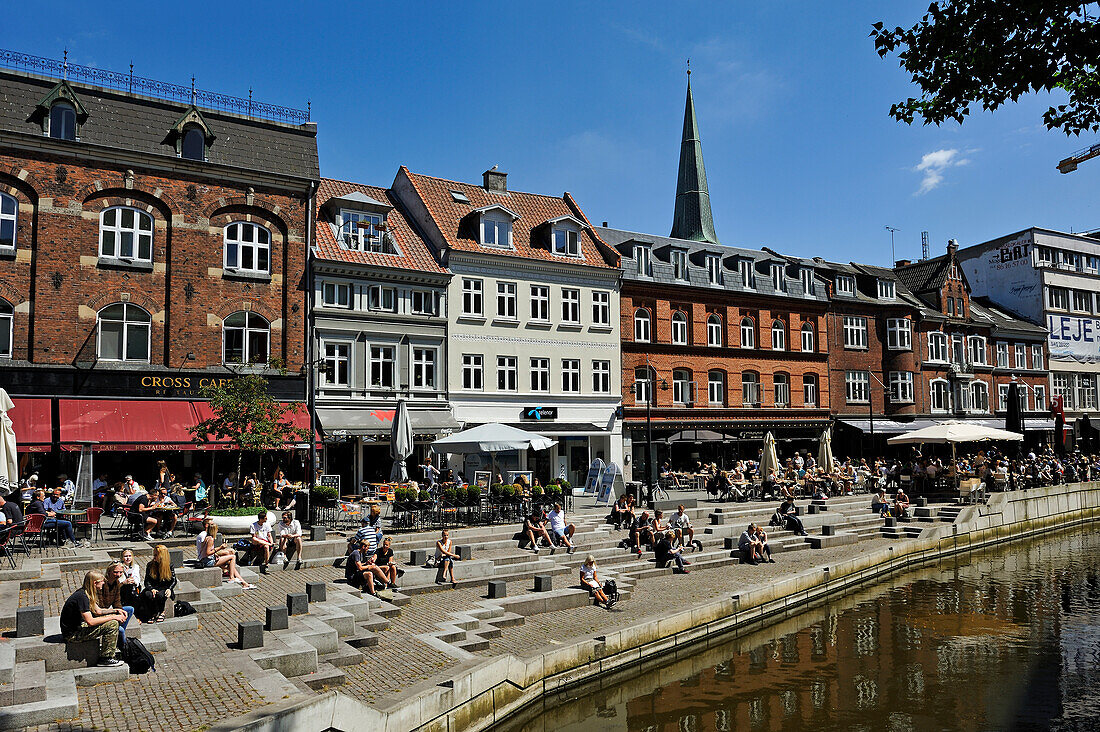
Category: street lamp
<point>650,388</point>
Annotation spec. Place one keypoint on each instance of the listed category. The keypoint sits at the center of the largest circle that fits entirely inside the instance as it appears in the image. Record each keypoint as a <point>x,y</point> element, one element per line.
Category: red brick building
<point>157,245</point>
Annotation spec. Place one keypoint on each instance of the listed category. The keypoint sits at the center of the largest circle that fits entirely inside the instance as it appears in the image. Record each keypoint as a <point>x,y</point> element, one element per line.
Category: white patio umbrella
<point>491,438</point>
<point>825,459</point>
<point>9,462</point>
<point>401,443</point>
<point>770,461</point>
<point>953,433</point>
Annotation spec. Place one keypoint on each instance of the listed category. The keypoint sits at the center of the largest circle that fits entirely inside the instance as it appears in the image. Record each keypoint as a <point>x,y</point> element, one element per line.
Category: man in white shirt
<point>261,541</point>
<point>290,538</point>
<point>681,524</point>
<point>558,527</point>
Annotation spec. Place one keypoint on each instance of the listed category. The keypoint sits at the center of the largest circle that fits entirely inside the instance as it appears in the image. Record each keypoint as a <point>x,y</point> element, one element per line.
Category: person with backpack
<point>591,582</point>
<point>83,619</point>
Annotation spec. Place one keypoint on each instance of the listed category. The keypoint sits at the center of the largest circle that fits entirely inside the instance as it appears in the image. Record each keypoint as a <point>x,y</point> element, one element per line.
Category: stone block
<point>799,510</point>
<point>317,533</point>
<point>891,522</point>
<point>316,592</point>
<point>297,603</point>
<point>729,542</point>
<point>30,621</point>
<point>922,501</point>
<point>250,634</point>
<point>717,519</point>
<point>277,618</point>
<point>813,508</point>
<point>418,557</point>
<point>544,582</point>
<point>498,588</point>
<point>828,530</point>
<point>464,551</point>
<point>175,556</point>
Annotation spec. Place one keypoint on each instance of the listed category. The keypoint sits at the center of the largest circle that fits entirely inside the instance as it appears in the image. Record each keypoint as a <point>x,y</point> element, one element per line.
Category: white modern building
<point>533,322</point>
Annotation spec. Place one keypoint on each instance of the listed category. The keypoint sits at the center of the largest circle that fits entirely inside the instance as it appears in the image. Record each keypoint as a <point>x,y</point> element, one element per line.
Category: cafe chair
<point>34,527</point>
<point>196,521</point>
<point>5,544</point>
<point>90,522</point>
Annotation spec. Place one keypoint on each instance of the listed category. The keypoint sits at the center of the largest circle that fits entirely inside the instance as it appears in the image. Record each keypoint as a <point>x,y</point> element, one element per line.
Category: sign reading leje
<point>1074,339</point>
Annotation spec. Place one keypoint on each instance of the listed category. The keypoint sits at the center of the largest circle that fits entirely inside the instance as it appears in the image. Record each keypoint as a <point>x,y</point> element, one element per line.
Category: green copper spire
<point>692,219</point>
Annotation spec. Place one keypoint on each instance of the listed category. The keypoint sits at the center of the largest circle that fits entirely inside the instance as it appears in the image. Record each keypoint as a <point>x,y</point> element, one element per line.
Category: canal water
<point>1004,639</point>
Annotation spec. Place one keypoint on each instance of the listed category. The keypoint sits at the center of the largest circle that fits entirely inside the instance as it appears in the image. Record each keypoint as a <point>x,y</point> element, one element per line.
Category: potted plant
<point>537,492</point>
<point>325,495</point>
<point>473,495</point>
<point>553,491</point>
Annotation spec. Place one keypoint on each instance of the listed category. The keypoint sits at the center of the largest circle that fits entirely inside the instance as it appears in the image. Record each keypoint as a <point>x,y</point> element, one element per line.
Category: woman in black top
<point>383,558</point>
<point>160,581</point>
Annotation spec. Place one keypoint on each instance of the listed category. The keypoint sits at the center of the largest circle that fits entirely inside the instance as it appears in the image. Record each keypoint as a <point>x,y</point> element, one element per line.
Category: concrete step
<point>473,645</point>
<point>324,677</point>
<point>344,655</point>
<point>288,654</point>
<point>101,674</point>
<point>27,686</point>
<point>362,639</point>
<point>60,703</point>
<point>506,620</point>
<point>486,630</point>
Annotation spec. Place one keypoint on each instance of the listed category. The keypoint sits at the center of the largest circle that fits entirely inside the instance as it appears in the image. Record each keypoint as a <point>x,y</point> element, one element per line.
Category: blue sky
<point>588,97</point>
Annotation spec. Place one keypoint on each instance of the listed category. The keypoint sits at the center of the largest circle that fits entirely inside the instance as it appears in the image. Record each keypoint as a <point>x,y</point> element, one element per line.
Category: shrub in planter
<point>425,495</point>
<point>503,492</point>
<point>450,495</point>
<point>538,491</point>
<point>245,511</point>
<point>325,494</point>
<point>495,490</point>
<point>553,490</point>
<point>473,495</point>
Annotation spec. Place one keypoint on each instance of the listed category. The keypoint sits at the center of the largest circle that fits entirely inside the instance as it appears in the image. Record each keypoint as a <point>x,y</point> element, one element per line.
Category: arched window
<point>7,313</point>
<point>779,336</point>
<point>782,389</point>
<point>126,233</point>
<point>750,389</point>
<point>641,325</point>
<point>937,347</point>
<point>716,388</point>
<point>63,121</point>
<point>714,331</point>
<point>246,338</point>
<point>808,338</point>
<point>940,393</point>
<point>679,329</point>
<point>123,333</point>
<point>643,385</point>
<point>748,333</point>
<point>247,247</point>
<point>979,396</point>
<point>809,390</point>
<point>681,386</point>
<point>9,210</point>
<point>193,146</point>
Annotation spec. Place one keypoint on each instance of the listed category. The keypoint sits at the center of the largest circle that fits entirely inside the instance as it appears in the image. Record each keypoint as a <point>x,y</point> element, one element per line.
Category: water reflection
<point>1007,639</point>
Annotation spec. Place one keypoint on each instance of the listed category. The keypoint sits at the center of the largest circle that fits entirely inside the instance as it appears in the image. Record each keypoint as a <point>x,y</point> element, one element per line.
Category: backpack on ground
<point>137,657</point>
<point>611,590</point>
<point>182,609</point>
<point>776,520</point>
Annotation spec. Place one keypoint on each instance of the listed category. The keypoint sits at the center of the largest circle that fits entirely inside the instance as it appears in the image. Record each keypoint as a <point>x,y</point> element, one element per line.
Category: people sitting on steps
<point>641,533</point>
<point>561,533</point>
<point>880,504</point>
<point>290,539</point>
<point>160,585</point>
<point>748,546</point>
<point>84,619</point>
<point>622,513</point>
<point>680,523</point>
<point>534,529</point>
<point>361,572</point>
<point>790,517</point>
<point>261,543</point>
<point>762,543</point>
<point>211,553</point>
<point>444,558</point>
<point>901,505</point>
<point>665,553</point>
<point>591,581</point>
<point>383,559</point>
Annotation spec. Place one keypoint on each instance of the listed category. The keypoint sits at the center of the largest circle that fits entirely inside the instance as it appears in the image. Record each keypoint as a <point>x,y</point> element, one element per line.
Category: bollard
<point>729,542</point>
<point>891,522</point>
<point>418,557</point>
<point>175,557</point>
<point>315,591</point>
<point>464,551</point>
<point>297,603</point>
<point>30,621</point>
<point>498,588</point>
<point>317,533</point>
<point>277,618</point>
<point>250,634</point>
<point>544,582</point>
<point>828,530</point>
<point>812,509</point>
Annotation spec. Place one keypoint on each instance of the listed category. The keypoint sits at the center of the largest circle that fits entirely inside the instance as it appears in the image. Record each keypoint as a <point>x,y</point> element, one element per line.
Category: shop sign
<point>539,413</point>
<point>1074,339</point>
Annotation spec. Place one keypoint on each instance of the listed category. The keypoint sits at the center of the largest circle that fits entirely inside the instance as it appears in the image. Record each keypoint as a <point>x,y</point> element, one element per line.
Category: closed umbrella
<point>825,450</point>
<point>770,461</point>
<point>401,442</point>
<point>9,463</point>
<point>1013,421</point>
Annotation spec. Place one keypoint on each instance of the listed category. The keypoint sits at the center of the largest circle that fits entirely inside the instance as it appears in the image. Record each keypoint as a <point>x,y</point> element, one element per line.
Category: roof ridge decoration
<point>692,218</point>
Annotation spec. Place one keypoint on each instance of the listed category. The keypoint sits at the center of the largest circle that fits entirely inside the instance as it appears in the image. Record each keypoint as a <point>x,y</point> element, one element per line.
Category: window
<point>1036,358</point>
<point>361,231</point>
<point>63,121</point>
<point>9,209</point>
<point>809,390</point>
<point>979,396</point>
<point>506,300</point>
<point>679,329</point>
<point>681,386</point>
<point>540,303</point>
<point>425,302</point>
<point>496,232</point>
<point>126,233</point>
<point>641,325</point>
<point>7,317</point>
<point>471,298</point>
<point>567,243</point>
<point>779,336</point>
<point>1086,391</point>
<point>507,373</point>
<point>748,333</point>
<point>336,294</point>
<point>1060,385</point>
<point>540,374</point>
<point>1002,355</point>
<point>601,377</point>
<point>193,146</point>
<point>336,364</point>
<point>750,389</point>
<point>1002,397</point>
<point>383,298</point>
<point>1040,398</point>
<point>1082,301</point>
<point>857,386</point>
<point>423,368</point>
<point>642,260</point>
<point>247,247</point>
<point>471,371</point>
<point>382,366</point>
<point>1045,256</point>
<point>958,354</point>
<point>955,273</point>
<point>845,285</point>
<point>950,306</point>
<point>1091,264</point>
<point>976,350</point>
<point>886,290</point>
<point>570,374</point>
<point>1021,356</point>
<point>940,395</point>
<point>959,307</point>
<point>937,347</point>
<point>601,308</point>
<point>246,338</point>
<point>901,387</point>
<point>899,334</point>
<point>1058,298</point>
<point>855,332</point>
<point>643,385</point>
<point>714,269</point>
<point>808,338</point>
<point>781,384</point>
<point>714,331</point>
<point>570,306</point>
<point>716,388</point>
<point>744,268</point>
<point>807,276</point>
<point>777,277</point>
<point>680,264</point>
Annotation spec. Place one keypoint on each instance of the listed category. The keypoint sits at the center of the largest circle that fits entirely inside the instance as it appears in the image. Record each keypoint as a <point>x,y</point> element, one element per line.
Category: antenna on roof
<point>892,229</point>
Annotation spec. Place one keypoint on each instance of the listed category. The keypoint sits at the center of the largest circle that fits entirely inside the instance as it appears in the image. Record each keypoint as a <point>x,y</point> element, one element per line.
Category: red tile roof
<point>415,253</point>
<point>532,208</point>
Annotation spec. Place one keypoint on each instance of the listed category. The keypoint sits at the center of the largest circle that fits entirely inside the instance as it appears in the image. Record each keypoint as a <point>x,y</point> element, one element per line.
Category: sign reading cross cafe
<point>539,414</point>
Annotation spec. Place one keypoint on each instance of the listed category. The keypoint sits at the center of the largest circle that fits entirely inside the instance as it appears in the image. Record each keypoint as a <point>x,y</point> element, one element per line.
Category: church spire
<point>692,219</point>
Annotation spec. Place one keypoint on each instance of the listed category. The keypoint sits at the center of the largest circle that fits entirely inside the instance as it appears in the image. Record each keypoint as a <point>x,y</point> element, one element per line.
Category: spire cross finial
<point>192,89</point>
<point>65,65</point>
<point>689,68</point>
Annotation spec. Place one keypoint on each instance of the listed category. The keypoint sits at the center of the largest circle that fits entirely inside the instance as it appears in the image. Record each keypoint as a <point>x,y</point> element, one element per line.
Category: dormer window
<point>680,264</point>
<point>886,290</point>
<point>955,273</point>
<point>744,267</point>
<point>777,277</point>
<point>714,269</point>
<point>363,231</point>
<point>845,285</point>
<point>63,121</point>
<point>567,242</point>
<point>496,232</point>
<point>807,276</point>
<point>643,260</point>
<point>193,146</point>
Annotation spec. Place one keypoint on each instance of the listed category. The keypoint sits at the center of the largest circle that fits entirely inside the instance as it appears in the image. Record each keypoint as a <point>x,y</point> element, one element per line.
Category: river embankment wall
<point>477,695</point>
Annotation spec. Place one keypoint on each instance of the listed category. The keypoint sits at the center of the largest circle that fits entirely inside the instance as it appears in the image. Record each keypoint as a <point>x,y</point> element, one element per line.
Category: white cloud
<point>934,164</point>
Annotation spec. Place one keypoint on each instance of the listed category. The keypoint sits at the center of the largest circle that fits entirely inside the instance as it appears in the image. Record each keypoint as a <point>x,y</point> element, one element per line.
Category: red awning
<point>33,424</point>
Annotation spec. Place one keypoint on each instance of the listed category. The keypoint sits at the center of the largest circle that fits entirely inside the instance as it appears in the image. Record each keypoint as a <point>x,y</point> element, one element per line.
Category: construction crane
<point>1070,164</point>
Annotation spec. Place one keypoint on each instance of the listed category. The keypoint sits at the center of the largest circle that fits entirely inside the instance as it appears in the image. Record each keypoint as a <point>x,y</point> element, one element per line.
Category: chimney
<point>902,263</point>
<point>495,180</point>
<point>952,247</point>
<point>605,224</point>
